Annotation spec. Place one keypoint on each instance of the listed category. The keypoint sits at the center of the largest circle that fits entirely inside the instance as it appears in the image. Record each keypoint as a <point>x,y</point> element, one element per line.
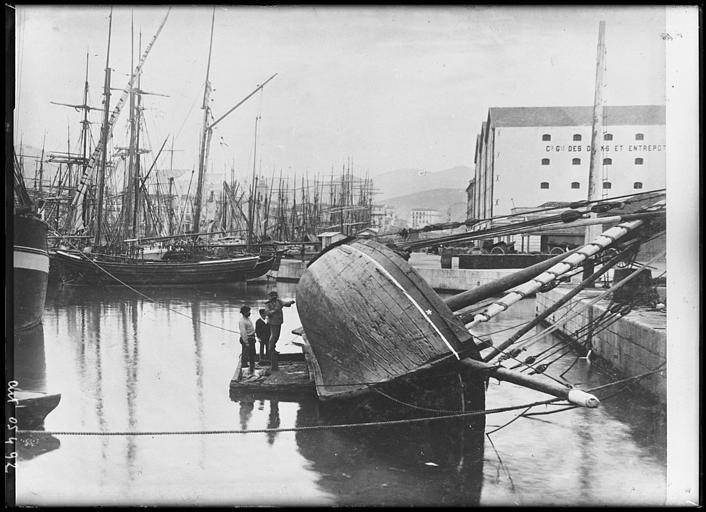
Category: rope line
<point>580,307</point>
<point>344,425</point>
<point>295,429</point>
<point>631,198</point>
<point>627,383</point>
<point>508,423</point>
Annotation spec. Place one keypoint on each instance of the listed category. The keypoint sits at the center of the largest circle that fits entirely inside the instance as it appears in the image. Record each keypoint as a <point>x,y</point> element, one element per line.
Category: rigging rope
<point>580,308</point>
<point>509,228</point>
<point>556,324</point>
<point>338,426</point>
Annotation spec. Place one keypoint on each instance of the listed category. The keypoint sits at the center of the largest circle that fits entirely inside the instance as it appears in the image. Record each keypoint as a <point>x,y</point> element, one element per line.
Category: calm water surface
<point>124,363</point>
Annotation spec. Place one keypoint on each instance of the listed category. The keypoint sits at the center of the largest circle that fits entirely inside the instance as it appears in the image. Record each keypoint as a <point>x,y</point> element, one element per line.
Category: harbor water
<point>161,363</point>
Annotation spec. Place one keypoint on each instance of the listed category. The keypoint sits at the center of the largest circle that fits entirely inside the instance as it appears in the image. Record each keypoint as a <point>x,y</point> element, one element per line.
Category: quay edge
<point>453,280</point>
<point>634,344</point>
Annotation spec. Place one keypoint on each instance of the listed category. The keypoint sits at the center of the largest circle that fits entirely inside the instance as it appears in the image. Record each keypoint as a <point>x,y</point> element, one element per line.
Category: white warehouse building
<point>528,156</point>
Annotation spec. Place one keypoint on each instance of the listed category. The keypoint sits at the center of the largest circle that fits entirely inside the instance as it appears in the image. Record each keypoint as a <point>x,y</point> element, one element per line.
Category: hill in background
<point>407,189</point>
<point>402,182</point>
<point>450,202</point>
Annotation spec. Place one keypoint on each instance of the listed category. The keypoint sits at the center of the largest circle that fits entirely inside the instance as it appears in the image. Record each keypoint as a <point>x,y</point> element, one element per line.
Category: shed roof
<point>576,116</point>
<point>330,233</point>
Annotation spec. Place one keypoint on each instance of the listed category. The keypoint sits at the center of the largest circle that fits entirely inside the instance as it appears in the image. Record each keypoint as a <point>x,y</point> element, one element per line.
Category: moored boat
<point>83,269</point>
<point>30,267</point>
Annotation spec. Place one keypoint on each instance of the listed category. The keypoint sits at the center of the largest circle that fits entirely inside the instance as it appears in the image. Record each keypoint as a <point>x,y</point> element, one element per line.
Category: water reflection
<point>30,373</point>
<point>439,463</point>
<point>33,445</point>
<point>246,408</point>
<point>123,362</point>
<point>612,455</point>
<point>273,420</point>
<point>416,463</point>
<point>198,359</point>
<point>30,367</point>
<point>130,352</point>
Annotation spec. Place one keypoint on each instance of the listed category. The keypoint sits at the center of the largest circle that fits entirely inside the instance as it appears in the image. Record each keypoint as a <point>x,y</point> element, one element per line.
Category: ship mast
<point>204,135</point>
<point>84,179</point>
<point>38,186</point>
<point>253,191</point>
<point>71,158</point>
<point>207,130</point>
<point>129,196</point>
<point>136,152</point>
<point>104,136</point>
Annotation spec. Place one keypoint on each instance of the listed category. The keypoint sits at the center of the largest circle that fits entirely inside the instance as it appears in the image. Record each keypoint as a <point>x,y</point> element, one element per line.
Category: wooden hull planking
<point>370,318</point>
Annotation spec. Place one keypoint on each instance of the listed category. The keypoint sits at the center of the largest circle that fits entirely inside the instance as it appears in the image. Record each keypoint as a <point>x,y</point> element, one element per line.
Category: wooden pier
<point>293,379</point>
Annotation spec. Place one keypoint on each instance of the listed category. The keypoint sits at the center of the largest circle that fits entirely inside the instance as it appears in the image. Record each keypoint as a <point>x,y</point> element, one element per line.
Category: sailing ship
<point>105,262</point>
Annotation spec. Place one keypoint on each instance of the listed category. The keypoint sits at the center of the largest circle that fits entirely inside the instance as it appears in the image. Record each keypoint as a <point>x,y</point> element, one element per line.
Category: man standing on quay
<point>275,320</point>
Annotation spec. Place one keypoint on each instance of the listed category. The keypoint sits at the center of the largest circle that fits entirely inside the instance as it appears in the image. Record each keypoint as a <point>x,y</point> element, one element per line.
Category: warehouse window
<point>607,136</point>
<point>577,136</point>
<point>576,161</point>
<point>639,161</point>
<point>639,136</point>
<point>546,137</point>
<point>607,184</point>
<point>575,184</point>
<point>545,161</point>
<point>637,185</point>
<point>544,184</point>
<point>607,161</point>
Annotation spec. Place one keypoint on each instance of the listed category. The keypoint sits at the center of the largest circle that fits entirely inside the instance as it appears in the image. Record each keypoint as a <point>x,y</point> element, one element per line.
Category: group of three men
<point>266,332</point>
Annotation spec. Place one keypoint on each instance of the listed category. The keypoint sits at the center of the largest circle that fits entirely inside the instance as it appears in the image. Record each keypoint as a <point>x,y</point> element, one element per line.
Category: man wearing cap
<point>247,339</point>
<point>275,318</point>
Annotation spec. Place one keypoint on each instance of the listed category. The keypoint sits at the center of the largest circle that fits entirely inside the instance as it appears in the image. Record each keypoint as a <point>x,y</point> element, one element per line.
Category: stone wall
<point>634,344</point>
<point>440,279</point>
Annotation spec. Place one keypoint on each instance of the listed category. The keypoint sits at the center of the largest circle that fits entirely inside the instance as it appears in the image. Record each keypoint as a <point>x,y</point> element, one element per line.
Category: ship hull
<point>30,271</point>
<point>370,318</point>
<point>80,270</point>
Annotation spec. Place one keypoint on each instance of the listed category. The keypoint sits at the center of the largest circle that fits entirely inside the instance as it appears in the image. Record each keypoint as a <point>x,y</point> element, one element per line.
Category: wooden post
<point>594,176</point>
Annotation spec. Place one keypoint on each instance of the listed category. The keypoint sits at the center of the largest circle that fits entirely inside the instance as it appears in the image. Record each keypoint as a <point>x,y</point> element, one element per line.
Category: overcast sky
<point>388,87</point>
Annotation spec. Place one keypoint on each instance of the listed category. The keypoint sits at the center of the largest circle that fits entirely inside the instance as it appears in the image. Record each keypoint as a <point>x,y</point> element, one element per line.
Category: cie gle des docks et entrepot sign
<point>605,148</point>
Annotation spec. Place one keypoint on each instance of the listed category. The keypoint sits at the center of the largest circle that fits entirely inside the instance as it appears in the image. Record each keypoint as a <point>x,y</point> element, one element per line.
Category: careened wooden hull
<point>370,318</point>
<point>77,269</point>
<point>30,270</point>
